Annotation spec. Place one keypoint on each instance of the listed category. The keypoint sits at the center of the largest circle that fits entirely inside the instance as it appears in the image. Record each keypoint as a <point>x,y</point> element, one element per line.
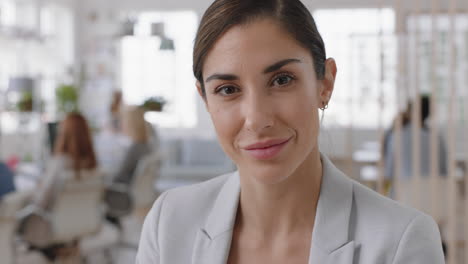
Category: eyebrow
<point>280,64</point>
<point>274,67</point>
<point>225,77</point>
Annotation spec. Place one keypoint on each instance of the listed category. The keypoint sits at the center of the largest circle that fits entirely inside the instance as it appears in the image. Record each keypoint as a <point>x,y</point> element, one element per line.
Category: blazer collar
<point>330,237</point>
<point>223,214</point>
<point>213,241</point>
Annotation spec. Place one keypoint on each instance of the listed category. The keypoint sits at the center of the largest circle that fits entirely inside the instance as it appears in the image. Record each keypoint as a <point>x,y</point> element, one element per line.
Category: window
<point>45,61</point>
<point>147,70</point>
<point>364,48</point>
<point>420,30</point>
<point>7,13</point>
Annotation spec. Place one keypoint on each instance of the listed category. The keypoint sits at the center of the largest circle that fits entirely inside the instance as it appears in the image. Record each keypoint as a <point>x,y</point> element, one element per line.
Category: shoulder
<point>175,218</point>
<point>372,204</point>
<point>193,201</point>
<point>188,202</point>
<point>407,234</point>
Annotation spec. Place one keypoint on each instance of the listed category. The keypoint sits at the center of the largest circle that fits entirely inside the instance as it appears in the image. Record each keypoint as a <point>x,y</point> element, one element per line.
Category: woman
<point>262,72</point>
<point>73,151</point>
<point>135,128</point>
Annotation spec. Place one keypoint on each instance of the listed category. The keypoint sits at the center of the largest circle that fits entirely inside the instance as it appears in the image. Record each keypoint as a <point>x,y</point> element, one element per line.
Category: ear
<point>328,82</point>
<point>200,92</point>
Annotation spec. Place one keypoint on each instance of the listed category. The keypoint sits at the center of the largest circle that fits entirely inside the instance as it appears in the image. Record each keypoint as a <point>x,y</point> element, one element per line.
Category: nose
<point>258,112</point>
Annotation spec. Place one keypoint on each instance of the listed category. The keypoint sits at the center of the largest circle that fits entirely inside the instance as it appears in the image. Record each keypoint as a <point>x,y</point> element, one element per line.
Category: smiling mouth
<point>267,150</point>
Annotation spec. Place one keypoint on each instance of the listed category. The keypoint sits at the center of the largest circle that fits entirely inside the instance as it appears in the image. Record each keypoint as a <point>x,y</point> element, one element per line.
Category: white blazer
<point>194,224</point>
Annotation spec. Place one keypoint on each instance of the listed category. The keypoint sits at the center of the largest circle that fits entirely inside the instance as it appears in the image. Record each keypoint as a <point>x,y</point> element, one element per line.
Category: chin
<point>269,173</point>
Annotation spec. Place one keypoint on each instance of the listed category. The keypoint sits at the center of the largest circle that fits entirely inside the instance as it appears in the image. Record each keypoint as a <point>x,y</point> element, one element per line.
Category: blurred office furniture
<point>20,116</point>
<point>75,214</point>
<point>52,129</point>
<point>146,174</point>
<point>122,199</point>
<point>9,207</point>
<point>22,89</point>
<point>191,160</point>
<point>136,199</point>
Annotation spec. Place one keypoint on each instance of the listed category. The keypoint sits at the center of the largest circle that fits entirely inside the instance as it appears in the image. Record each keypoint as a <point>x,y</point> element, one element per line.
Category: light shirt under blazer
<point>353,224</point>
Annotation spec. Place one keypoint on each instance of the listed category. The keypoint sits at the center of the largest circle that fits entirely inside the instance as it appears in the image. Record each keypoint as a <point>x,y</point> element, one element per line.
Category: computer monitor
<point>52,129</point>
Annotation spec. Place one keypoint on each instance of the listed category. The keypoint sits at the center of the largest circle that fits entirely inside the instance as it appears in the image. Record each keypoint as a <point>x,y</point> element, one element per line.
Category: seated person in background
<point>406,153</point>
<point>7,184</point>
<point>73,151</point>
<point>135,127</point>
<point>153,135</point>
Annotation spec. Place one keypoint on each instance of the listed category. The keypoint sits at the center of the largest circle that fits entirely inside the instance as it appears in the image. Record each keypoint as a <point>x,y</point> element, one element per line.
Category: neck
<point>285,207</point>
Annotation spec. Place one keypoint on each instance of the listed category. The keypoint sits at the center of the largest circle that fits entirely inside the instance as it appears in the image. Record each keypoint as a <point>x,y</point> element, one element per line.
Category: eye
<point>282,79</point>
<point>226,90</point>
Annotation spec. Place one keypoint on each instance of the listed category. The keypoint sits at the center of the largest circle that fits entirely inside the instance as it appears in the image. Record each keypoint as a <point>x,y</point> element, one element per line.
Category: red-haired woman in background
<point>73,151</point>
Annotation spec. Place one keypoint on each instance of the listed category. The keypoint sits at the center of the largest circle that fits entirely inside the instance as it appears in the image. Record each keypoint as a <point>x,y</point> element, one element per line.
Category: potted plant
<point>67,98</point>
<point>25,103</point>
<point>155,103</point>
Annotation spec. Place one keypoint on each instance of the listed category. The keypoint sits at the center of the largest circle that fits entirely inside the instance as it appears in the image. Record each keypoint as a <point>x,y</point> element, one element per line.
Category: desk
<point>368,156</point>
<point>27,176</point>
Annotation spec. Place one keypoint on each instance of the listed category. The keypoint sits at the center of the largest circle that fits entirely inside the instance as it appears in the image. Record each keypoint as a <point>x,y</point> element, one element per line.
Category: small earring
<point>325,106</point>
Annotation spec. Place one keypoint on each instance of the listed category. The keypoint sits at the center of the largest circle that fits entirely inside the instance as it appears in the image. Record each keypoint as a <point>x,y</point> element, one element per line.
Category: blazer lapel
<point>211,251</point>
<point>330,238</point>
<point>342,255</point>
<point>213,241</point>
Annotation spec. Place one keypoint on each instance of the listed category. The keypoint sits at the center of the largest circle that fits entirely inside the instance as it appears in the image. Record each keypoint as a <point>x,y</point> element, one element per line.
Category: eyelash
<point>219,89</point>
<point>283,74</point>
<point>276,77</point>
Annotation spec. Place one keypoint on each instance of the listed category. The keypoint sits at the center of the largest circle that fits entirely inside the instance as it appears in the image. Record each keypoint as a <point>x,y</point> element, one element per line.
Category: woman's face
<point>263,97</point>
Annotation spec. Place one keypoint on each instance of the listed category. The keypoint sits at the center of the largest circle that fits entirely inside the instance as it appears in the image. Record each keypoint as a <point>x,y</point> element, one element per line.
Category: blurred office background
<point>58,56</point>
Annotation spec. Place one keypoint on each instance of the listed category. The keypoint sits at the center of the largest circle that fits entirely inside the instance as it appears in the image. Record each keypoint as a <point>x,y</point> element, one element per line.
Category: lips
<point>267,149</point>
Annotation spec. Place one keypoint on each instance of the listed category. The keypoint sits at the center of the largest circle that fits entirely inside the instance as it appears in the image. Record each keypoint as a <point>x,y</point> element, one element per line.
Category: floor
<point>118,253</point>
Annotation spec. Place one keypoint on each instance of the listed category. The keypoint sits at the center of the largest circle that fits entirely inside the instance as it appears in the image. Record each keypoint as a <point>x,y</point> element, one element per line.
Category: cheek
<point>227,124</point>
<point>301,110</point>
<point>300,113</point>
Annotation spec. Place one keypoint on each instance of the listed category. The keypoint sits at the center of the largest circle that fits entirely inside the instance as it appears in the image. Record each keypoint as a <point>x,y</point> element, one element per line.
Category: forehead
<point>253,45</point>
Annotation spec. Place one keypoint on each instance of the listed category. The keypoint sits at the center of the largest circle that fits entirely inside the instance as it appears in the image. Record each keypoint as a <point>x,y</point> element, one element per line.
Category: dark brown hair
<point>134,124</point>
<point>74,142</point>
<point>292,15</point>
